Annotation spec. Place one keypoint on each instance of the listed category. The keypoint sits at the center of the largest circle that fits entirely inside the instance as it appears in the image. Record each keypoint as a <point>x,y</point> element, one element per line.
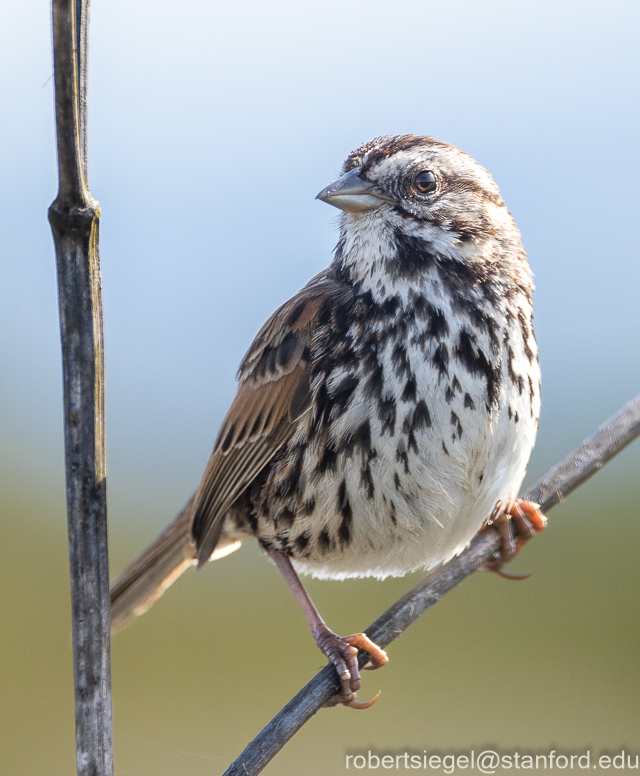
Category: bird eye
<point>425,182</point>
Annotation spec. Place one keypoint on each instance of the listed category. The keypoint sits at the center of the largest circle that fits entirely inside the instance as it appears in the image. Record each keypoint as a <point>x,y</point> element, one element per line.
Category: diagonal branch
<point>74,217</point>
<point>611,437</point>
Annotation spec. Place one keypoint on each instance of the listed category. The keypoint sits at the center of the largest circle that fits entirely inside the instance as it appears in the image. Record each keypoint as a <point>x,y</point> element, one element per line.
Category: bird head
<point>402,189</point>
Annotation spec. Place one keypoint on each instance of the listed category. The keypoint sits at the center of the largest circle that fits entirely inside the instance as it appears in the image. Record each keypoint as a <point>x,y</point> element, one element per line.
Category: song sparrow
<point>385,413</point>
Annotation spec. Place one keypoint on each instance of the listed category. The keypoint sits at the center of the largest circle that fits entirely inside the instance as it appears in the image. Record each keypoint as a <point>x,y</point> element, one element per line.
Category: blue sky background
<point>211,129</point>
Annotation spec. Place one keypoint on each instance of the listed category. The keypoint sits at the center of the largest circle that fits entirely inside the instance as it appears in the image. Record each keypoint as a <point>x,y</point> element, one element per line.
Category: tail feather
<point>147,577</point>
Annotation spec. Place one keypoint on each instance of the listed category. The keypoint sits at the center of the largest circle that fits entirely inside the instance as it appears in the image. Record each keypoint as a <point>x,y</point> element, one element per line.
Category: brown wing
<point>274,391</point>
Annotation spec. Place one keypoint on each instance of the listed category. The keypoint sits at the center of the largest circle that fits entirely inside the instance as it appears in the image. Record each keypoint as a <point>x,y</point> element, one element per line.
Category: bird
<point>386,413</point>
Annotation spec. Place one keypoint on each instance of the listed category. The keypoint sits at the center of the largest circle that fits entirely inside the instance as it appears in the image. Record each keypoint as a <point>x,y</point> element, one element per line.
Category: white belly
<point>427,508</point>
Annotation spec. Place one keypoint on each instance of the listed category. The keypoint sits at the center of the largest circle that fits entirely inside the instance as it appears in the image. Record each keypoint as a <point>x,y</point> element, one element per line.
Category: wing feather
<point>274,392</point>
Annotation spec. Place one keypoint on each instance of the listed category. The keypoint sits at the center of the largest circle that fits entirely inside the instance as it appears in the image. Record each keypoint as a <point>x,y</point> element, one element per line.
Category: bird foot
<point>527,519</point>
<point>343,653</point>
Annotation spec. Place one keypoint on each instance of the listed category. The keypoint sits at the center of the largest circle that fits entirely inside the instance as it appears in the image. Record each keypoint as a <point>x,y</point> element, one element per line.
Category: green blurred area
<point>547,663</point>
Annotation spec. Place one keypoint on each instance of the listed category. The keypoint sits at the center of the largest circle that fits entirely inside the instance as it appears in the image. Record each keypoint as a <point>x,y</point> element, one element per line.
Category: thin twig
<point>611,437</point>
<point>74,217</point>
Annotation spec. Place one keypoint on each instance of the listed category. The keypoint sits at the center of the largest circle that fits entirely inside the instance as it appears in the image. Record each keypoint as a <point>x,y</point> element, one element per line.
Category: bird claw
<point>528,521</point>
<point>509,574</point>
<point>343,653</point>
<point>362,704</point>
<point>378,656</point>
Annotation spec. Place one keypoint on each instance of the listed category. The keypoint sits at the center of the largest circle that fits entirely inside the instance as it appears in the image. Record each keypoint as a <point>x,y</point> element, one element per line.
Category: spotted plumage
<point>411,354</point>
<point>387,411</point>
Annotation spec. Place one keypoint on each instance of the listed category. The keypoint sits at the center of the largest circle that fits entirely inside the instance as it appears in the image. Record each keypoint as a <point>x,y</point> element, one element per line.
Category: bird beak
<point>353,193</point>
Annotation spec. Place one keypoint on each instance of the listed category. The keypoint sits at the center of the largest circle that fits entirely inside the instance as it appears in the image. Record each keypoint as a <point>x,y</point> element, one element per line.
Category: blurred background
<point>212,128</point>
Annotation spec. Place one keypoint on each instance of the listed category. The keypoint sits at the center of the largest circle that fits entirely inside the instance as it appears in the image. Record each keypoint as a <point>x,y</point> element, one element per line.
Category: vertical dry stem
<point>74,217</point>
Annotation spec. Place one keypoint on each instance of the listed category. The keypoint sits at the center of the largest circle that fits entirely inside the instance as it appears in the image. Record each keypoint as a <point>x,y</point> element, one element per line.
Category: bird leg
<point>341,651</point>
<point>527,519</point>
